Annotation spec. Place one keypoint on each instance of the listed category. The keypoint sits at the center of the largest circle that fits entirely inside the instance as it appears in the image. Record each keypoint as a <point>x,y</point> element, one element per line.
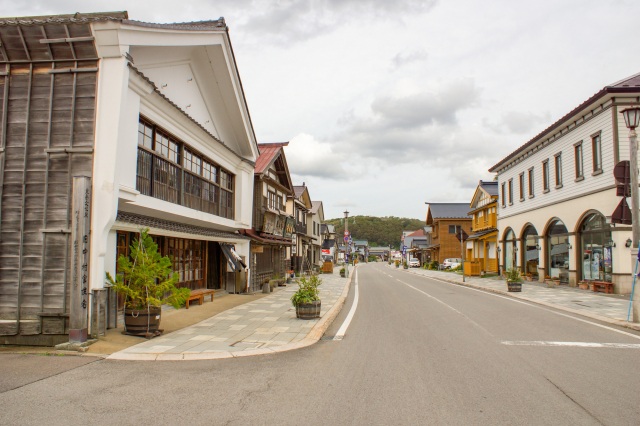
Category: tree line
<point>378,231</point>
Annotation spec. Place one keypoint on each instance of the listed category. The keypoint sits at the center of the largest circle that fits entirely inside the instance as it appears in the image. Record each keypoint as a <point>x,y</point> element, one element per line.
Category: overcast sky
<point>389,104</point>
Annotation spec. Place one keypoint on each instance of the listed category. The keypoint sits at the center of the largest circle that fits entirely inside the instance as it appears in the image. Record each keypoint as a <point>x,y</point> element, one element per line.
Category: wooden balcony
<point>485,222</point>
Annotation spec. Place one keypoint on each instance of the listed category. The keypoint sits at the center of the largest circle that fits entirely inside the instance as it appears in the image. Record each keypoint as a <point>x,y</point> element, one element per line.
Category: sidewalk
<point>609,308</point>
<point>262,326</point>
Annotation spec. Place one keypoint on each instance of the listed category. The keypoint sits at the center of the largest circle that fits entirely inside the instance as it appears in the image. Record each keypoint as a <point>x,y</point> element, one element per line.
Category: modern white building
<point>128,125</point>
<point>558,195</point>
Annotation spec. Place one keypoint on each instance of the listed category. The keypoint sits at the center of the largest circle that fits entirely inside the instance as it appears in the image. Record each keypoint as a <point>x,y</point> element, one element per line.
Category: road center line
<point>347,321</point>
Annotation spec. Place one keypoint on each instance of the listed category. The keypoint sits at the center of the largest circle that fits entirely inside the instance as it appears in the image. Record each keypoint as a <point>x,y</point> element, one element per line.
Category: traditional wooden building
<point>482,245</point>
<point>445,221</point>
<point>299,206</point>
<point>273,227</point>
<point>108,125</point>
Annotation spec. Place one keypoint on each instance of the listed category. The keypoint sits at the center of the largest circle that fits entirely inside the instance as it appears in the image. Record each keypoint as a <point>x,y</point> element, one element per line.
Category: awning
<point>264,238</point>
<point>233,259</point>
<point>485,233</point>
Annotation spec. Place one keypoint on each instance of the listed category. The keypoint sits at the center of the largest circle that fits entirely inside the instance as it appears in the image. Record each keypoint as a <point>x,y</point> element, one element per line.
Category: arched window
<point>530,254</point>
<point>510,250</point>
<point>558,251</point>
<point>595,246</point>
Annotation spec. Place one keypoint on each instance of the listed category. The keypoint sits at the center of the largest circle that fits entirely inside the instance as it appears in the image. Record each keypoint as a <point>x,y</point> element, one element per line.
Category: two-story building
<point>110,125</point>
<point>314,227</point>
<point>445,220</point>
<point>273,228</point>
<point>329,249</point>
<point>298,206</point>
<point>482,245</point>
<point>558,193</point>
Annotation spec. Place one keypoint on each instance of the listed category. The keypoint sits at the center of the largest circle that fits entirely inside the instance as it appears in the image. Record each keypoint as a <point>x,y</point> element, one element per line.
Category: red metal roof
<point>268,153</point>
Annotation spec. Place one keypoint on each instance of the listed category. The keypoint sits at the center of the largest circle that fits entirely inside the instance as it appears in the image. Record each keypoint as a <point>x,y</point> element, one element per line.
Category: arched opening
<point>558,251</point>
<point>595,246</point>
<point>530,254</point>
<point>510,250</point>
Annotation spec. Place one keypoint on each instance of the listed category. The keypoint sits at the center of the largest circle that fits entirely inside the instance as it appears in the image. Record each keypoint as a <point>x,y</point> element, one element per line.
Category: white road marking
<point>572,344</point>
<point>511,299</point>
<point>345,325</point>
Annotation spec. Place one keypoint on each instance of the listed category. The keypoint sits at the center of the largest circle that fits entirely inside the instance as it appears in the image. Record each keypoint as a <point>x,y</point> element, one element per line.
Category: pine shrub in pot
<point>307,298</point>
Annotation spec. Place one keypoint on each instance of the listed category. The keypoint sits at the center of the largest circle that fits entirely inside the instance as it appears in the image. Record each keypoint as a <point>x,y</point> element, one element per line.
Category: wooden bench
<point>602,286</point>
<point>199,295</point>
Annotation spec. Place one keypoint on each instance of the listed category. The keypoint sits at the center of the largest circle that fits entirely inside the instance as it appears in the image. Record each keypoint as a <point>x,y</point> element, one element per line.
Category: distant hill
<point>379,231</point>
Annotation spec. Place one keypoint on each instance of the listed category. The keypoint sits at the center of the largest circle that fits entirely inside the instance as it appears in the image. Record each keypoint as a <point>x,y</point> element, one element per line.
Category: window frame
<point>545,176</point>
<point>557,161</point>
<point>503,196</point>
<point>578,153</point>
<point>596,152</point>
<point>510,193</point>
<point>531,182</point>
<point>521,184</point>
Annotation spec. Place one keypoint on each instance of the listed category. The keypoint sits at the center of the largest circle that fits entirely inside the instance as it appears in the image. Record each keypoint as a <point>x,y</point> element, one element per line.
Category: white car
<point>414,263</point>
<point>451,263</point>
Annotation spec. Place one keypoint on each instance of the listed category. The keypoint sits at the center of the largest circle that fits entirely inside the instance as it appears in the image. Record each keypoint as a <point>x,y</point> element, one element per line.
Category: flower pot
<point>142,322</point>
<point>514,286</point>
<point>583,286</point>
<point>308,310</point>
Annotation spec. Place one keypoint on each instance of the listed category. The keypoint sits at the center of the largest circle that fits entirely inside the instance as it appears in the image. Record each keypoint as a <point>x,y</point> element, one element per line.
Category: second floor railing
<point>162,179</point>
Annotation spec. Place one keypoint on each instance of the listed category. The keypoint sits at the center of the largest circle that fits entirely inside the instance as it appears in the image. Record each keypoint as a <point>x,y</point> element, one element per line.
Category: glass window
<point>145,135</point>
<point>521,182</point>
<point>502,192</point>
<point>530,255</point>
<point>596,147</point>
<point>510,191</point>
<point>531,182</point>
<point>558,251</point>
<point>510,250</point>
<point>558,164</point>
<point>596,249</point>
<point>545,175</point>
<point>579,165</point>
<point>166,147</point>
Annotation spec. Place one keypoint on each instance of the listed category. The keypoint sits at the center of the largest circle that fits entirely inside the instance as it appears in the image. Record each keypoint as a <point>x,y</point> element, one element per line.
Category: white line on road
<point>343,328</point>
<point>533,305</point>
<point>572,344</point>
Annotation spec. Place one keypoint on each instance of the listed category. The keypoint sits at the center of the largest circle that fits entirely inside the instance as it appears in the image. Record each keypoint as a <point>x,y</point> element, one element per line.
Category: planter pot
<point>343,274</point>
<point>308,310</point>
<point>514,286</point>
<point>584,286</point>
<point>142,322</point>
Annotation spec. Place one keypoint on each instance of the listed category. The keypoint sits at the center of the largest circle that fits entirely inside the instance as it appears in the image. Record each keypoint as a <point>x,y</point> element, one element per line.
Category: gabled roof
<point>449,210</point>
<point>487,187</point>
<point>418,233</point>
<point>301,193</point>
<point>273,154</point>
<point>628,85</point>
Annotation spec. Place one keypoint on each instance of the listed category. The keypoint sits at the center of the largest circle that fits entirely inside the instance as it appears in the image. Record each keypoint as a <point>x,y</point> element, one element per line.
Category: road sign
<point>346,238</point>
<point>347,233</point>
<point>623,178</point>
<point>462,234</point>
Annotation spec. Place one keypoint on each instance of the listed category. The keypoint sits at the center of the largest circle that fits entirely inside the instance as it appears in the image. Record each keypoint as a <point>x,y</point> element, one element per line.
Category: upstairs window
<point>510,191</point>
<point>531,186</point>
<point>596,148</point>
<point>502,195</point>
<point>558,164</point>
<point>577,150</point>
<point>545,175</point>
<point>521,185</point>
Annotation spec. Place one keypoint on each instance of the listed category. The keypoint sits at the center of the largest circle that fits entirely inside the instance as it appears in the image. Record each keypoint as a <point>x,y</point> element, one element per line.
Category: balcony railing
<point>162,179</point>
<point>485,222</point>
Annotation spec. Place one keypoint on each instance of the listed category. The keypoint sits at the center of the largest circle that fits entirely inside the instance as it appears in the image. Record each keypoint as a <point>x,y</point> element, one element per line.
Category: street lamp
<point>632,120</point>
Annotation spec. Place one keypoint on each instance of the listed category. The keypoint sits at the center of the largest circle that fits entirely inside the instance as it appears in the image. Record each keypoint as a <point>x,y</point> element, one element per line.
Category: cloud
<point>294,21</point>
<point>308,157</point>
<point>520,123</point>
<point>401,59</point>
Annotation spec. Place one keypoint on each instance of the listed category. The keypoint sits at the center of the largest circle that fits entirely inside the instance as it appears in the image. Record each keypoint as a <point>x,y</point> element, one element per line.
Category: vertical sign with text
<point>80,238</point>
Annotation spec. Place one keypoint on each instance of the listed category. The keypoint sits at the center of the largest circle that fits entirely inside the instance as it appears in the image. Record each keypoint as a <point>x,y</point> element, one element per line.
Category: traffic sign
<point>347,233</point>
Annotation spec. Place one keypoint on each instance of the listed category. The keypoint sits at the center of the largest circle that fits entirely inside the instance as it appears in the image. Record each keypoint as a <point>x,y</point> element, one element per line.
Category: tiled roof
<point>627,85</point>
<point>218,24</point>
<point>76,18</point>
<point>449,210</point>
<point>299,190</point>
<point>418,233</point>
<point>153,222</point>
<point>268,152</point>
<point>315,205</point>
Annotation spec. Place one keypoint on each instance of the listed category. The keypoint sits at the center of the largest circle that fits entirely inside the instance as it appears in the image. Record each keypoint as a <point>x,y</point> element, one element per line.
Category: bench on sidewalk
<point>199,295</point>
<point>602,286</point>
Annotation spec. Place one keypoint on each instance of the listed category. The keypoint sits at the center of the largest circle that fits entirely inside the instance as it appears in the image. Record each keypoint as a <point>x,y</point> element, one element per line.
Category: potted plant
<point>343,272</point>
<point>584,285</point>
<point>404,265</point>
<point>147,281</point>
<point>397,262</point>
<point>514,280</point>
<point>307,298</point>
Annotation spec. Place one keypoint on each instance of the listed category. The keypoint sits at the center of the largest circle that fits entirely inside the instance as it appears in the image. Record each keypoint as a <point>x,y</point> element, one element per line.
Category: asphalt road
<point>418,351</point>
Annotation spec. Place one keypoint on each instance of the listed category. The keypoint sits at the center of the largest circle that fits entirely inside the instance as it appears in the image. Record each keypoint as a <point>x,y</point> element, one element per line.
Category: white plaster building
<point>154,116</point>
<point>557,195</point>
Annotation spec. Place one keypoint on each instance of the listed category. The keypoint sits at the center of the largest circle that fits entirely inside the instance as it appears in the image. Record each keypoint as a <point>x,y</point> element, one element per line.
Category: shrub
<point>307,291</point>
<point>513,275</point>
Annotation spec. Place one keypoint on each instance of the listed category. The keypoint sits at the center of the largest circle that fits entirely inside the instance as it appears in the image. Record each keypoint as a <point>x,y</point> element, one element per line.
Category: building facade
<point>482,245</point>
<point>445,220</point>
<point>108,126</point>
<point>558,195</point>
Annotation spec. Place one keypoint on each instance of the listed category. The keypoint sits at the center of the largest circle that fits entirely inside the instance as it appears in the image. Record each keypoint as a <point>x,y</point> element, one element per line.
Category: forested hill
<point>378,231</point>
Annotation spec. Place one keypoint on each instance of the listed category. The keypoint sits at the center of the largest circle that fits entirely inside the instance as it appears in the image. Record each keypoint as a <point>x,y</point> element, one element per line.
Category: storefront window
<point>509,250</point>
<point>530,254</point>
<point>595,236</point>
<point>558,245</point>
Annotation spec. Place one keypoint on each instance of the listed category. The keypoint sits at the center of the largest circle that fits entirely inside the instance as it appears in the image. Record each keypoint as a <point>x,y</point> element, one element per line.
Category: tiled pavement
<point>263,326</point>
<point>608,308</point>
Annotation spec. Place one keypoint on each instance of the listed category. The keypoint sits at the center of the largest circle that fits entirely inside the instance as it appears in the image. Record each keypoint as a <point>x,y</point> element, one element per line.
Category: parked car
<point>451,263</point>
<point>414,263</point>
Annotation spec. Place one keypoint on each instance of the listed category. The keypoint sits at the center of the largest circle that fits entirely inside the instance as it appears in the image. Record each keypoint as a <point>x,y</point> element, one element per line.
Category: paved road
<point>418,351</point>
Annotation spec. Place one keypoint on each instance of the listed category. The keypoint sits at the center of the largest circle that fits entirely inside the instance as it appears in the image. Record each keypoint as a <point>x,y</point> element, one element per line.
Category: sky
<point>388,105</point>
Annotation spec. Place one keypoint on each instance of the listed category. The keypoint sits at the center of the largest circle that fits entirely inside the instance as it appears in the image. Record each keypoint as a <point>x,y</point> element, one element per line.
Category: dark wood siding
<point>47,122</point>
